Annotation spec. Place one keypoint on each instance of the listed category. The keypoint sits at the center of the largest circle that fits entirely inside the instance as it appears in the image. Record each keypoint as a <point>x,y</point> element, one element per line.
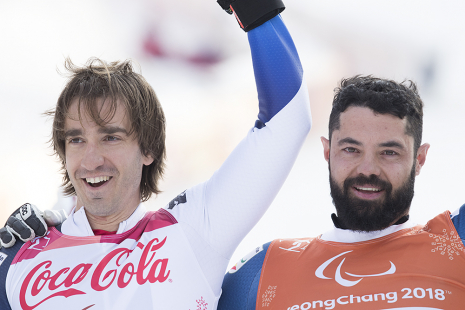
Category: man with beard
<point>374,257</point>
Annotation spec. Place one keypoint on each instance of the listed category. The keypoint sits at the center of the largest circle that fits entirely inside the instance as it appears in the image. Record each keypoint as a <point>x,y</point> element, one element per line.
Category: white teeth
<point>97,179</point>
<point>368,189</point>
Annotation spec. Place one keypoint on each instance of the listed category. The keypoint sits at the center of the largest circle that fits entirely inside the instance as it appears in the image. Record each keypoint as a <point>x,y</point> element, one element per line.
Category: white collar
<point>350,236</point>
<point>78,225</point>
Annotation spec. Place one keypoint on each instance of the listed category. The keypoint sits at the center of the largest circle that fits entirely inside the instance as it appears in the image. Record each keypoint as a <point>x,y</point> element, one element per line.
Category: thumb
<point>54,217</point>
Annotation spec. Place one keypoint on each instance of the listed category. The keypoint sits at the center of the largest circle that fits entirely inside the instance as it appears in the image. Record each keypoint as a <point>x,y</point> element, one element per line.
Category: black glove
<point>27,222</point>
<point>252,13</point>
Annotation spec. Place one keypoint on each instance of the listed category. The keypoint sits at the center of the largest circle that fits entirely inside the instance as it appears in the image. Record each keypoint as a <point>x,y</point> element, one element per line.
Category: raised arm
<point>243,188</point>
<point>217,214</point>
<point>277,68</point>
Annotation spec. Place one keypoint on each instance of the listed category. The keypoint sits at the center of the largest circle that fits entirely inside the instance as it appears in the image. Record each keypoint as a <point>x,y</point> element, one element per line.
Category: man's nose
<point>369,165</point>
<point>92,158</point>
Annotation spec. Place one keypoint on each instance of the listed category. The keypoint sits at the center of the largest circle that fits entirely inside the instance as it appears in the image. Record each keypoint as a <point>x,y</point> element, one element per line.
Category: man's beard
<point>368,215</point>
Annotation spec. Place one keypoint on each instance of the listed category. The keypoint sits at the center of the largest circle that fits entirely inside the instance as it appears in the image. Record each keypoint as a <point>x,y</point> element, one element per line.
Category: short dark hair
<point>382,96</point>
<point>113,82</point>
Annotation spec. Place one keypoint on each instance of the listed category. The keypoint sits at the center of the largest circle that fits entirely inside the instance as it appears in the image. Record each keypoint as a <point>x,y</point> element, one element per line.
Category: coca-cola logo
<point>110,271</point>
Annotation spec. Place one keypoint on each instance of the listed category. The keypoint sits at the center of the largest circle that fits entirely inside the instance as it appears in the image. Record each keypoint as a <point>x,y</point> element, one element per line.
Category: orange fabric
<point>420,267</point>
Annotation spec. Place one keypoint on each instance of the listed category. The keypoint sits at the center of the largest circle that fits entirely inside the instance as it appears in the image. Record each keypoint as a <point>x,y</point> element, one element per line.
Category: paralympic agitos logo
<point>110,271</point>
<point>338,276</point>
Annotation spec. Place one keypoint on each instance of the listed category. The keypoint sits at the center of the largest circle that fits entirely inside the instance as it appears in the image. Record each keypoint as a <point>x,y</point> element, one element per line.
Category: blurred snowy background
<point>198,61</point>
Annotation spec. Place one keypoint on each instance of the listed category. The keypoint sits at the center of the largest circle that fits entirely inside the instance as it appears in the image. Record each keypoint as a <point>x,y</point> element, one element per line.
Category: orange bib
<point>421,267</point>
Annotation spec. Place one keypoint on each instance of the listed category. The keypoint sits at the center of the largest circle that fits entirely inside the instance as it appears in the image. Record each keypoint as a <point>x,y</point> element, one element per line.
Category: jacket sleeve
<point>217,214</point>
<point>239,193</point>
<point>6,258</point>
<point>240,284</point>
<point>458,218</point>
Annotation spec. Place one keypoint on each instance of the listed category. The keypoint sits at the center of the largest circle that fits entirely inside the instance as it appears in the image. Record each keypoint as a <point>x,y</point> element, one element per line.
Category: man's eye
<point>350,150</point>
<point>389,152</point>
<point>111,138</point>
<point>75,140</point>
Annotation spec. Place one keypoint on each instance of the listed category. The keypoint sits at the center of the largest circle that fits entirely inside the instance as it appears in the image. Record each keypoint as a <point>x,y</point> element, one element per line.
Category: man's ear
<point>421,157</point>
<point>326,147</point>
<point>147,160</point>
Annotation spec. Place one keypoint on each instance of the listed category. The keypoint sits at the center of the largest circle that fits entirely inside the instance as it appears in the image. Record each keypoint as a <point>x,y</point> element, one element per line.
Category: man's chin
<point>368,219</point>
<point>366,216</point>
<point>94,205</point>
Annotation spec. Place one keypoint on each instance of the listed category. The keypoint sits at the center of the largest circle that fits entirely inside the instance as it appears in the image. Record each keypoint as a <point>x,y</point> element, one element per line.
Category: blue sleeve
<point>458,218</point>
<point>6,257</point>
<point>277,68</point>
<point>240,288</point>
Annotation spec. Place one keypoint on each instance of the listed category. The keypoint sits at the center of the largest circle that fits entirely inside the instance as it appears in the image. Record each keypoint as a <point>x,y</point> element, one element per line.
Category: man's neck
<point>338,224</point>
<point>107,222</point>
<point>78,223</point>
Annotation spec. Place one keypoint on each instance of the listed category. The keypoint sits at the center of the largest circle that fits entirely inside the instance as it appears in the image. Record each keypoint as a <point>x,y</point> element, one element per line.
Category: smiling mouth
<point>367,189</point>
<point>97,181</point>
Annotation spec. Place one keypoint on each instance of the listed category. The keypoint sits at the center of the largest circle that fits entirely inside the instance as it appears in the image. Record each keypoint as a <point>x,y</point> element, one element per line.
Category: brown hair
<point>114,82</point>
<point>383,96</point>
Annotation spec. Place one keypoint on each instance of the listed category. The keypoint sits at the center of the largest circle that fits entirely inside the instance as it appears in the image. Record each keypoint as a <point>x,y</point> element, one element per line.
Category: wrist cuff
<point>252,13</point>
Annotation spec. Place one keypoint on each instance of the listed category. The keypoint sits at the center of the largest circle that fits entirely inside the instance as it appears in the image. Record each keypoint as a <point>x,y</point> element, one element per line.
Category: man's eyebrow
<point>349,141</point>
<point>73,132</point>
<point>112,129</point>
<point>103,130</point>
<point>392,144</point>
